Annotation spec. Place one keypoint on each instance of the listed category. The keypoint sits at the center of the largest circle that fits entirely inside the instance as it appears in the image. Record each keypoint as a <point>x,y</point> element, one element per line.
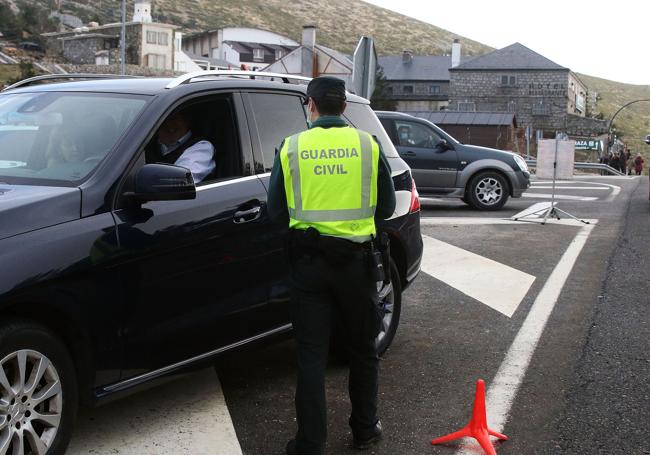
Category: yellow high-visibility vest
<point>330,179</point>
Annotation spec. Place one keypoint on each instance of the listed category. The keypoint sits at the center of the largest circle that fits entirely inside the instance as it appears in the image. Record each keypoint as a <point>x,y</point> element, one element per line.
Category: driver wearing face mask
<point>404,133</point>
<point>178,145</point>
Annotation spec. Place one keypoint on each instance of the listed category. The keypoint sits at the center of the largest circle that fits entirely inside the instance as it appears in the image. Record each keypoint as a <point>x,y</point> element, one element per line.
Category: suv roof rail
<point>187,78</point>
<point>46,77</point>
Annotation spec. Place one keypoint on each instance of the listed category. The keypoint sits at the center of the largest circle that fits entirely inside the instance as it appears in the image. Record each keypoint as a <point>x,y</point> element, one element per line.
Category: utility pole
<point>123,41</point>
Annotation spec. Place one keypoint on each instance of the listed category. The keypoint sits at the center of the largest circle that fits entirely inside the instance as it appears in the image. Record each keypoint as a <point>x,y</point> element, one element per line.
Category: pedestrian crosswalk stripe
<point>496,285</point>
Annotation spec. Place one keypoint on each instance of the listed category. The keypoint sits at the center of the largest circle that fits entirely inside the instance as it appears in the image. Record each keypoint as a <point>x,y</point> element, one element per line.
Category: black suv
<point>443,167</point>
<point>116,271</point>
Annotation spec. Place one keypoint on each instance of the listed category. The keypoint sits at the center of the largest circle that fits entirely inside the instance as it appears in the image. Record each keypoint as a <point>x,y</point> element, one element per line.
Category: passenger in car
<point>178,145</point>
<point>64,148</point>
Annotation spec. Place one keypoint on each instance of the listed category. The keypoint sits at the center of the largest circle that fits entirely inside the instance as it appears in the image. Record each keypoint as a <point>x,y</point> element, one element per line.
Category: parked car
<point>443,167</point>
<point>117,271</point>
<point>30,46</point>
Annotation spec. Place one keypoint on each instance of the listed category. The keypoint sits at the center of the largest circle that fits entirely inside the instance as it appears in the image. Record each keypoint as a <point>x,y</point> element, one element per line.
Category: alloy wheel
<point>31,403</point>
<point>489,191</point>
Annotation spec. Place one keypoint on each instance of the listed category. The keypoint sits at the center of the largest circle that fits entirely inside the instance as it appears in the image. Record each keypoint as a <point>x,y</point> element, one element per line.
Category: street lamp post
<point>611,120</point>
<point>123,40</point>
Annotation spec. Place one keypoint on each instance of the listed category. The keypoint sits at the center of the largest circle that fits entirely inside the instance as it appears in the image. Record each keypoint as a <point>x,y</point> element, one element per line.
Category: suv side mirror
<point>163,182</point>
<point>443,145</point>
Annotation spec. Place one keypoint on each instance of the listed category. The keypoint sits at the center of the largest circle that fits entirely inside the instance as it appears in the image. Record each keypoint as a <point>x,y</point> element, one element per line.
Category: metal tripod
<point>551,210</point>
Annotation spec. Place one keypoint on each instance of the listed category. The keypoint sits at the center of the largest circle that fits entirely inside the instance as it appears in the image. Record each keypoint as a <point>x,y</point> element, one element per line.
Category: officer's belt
<point>311,239</point>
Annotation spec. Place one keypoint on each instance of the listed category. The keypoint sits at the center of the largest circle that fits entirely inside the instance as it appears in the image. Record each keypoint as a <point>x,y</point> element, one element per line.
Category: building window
<point>466,106</point>
<point>279,53</point>
<point>434,89</point>
<point>512,106</point>
<point>580,103</point>
<point>541,109</point>
<point>258,54</point>
<point>407,89</point>
<point>163,38</point>
<point>156,61</point>
<point>152,37</point>
<point>508,80</point>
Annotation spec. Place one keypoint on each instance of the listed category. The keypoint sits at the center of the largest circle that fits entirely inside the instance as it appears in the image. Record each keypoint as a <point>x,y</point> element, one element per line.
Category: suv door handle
<point>245,216</point>
<point>409,153</point>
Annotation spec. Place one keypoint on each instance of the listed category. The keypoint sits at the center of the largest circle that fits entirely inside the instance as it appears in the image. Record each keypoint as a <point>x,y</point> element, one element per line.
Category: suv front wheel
<point>38,394</point>
<point>487,191</point>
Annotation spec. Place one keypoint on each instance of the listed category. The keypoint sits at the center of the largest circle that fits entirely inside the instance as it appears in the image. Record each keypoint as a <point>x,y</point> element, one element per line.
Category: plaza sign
<point>583,144</point>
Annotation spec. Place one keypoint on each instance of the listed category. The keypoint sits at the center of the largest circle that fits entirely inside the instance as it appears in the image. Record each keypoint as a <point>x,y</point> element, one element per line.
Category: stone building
<point>148,43</point>
<point>543,95</point>
<point>419,82</point>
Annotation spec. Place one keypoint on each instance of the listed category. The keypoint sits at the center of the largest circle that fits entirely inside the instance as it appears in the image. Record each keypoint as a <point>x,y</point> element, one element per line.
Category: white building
<point>239,46</point>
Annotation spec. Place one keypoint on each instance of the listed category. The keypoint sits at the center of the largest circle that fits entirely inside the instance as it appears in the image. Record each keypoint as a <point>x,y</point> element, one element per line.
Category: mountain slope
<point>633,121</point>
<point>340,22</point>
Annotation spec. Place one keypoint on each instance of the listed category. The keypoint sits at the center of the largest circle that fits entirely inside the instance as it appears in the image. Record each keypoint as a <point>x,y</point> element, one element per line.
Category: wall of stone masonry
<point>133,70</point>
<point>538,98</point>
<point>82,51</point>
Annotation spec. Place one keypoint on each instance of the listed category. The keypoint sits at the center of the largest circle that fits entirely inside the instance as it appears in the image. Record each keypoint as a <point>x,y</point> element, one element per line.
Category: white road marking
<point>186,416</point>
<point>565,197</point>
<point>547,187</point>
<point>606,177</point>
<point>505,385</point>
<point>615,189</point>
<point>614,193</point>
<point>452,221</point>
<point>494,284</point>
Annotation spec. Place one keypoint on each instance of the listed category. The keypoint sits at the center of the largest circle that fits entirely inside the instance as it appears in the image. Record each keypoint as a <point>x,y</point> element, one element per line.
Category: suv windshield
<point>57,138</point>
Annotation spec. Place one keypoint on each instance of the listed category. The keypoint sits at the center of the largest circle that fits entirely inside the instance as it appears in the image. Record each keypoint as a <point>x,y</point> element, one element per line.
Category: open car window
<point>210,125</point>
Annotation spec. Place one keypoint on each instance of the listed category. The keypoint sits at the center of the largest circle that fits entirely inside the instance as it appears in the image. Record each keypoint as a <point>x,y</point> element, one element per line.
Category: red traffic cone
<point>477,427</point>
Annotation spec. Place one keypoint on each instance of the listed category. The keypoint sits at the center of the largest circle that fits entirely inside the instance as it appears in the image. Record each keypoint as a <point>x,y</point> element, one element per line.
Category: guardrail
<point>580,165</point>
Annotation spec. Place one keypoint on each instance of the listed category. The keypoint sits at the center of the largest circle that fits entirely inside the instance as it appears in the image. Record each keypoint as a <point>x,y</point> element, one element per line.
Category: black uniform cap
<point>326,87</point>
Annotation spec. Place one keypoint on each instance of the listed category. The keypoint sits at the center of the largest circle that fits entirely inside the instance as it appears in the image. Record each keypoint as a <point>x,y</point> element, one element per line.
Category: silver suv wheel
<point>31,402</point>
<point>489,191</point>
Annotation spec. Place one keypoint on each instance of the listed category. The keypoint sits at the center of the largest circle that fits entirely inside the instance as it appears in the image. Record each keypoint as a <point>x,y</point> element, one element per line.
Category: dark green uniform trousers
<point>333,282</point>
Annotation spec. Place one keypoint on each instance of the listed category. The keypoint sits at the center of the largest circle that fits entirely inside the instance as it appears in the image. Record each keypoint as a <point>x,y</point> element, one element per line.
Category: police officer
<point>329,184</point>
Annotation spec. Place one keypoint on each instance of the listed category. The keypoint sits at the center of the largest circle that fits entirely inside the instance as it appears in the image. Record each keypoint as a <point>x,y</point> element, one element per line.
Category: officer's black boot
<point>363,441</point>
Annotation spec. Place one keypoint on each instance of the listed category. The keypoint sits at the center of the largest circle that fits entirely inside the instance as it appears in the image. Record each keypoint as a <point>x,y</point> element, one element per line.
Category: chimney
<point>307,51</point>
<point>309,36</point>
<point>142,11</point>
<point>455,53</point>
<point>407,56</point>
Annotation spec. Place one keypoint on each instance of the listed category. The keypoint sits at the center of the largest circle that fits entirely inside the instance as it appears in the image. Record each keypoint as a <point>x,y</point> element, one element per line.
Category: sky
<point>607,39</point>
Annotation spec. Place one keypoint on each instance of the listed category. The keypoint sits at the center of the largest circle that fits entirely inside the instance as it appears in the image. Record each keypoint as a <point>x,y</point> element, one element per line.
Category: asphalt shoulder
<point>608,406</point>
